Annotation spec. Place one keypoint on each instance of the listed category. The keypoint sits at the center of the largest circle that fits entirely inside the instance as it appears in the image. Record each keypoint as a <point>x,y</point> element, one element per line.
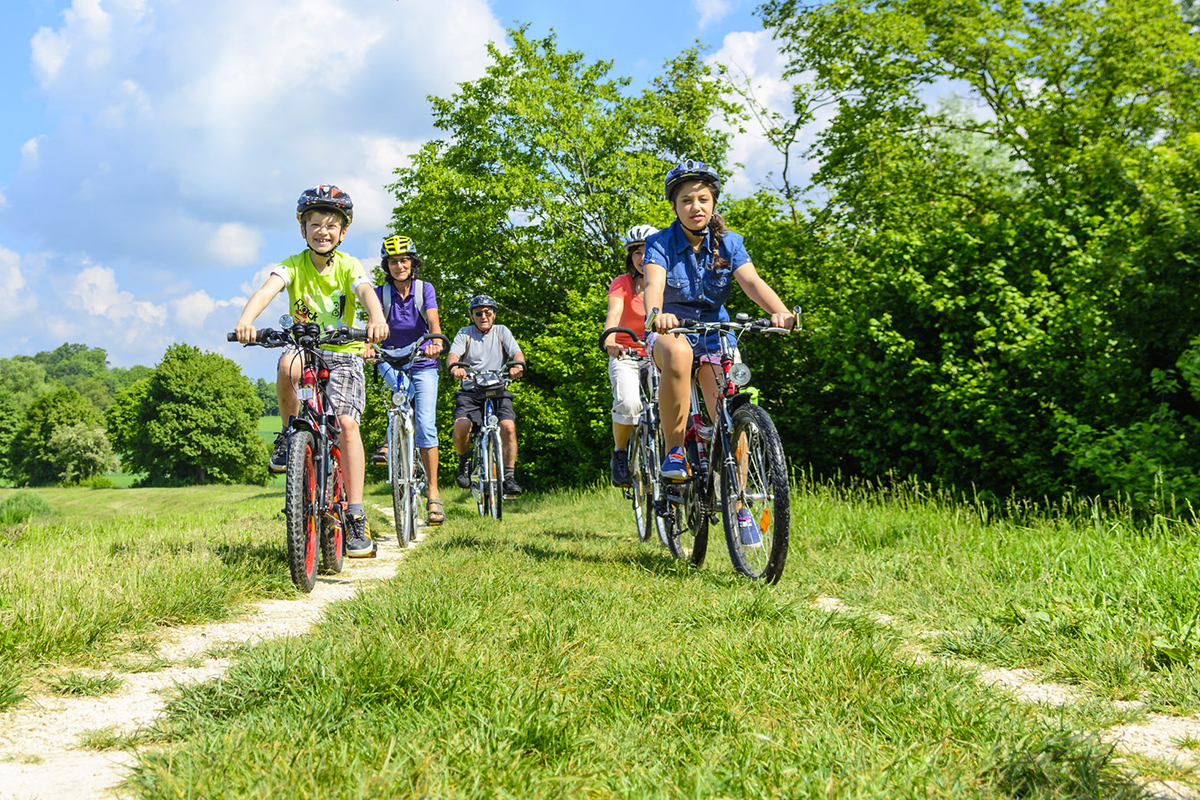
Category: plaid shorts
<point>347,387</point>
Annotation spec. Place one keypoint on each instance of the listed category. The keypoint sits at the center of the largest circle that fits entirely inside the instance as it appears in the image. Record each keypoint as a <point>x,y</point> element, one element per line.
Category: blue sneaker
<point>675,467</point>
<point>748,530</point>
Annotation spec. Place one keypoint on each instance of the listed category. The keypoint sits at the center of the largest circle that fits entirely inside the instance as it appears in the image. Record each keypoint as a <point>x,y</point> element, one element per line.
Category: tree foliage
<point>1015,287</point>
<point>547,161</point>
<point>32,457</point>
<point>81,451</point>
<point>193,420</point>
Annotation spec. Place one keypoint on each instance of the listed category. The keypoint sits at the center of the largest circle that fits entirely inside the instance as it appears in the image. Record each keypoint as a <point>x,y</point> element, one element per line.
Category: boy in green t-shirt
<point>326,287</point>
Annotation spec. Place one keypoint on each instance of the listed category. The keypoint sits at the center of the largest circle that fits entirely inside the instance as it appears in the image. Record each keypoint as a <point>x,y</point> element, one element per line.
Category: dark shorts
<point>468,405</point>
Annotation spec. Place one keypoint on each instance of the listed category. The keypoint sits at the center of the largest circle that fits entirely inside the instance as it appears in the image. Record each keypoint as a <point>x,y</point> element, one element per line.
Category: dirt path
<point>40,752</point>
<point>1156,737</point>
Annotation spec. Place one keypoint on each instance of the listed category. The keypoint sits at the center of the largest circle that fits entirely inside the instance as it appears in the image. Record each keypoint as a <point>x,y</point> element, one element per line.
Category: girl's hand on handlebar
<point>245,333</point>
<point>783,319</point>
<point>665,322</point>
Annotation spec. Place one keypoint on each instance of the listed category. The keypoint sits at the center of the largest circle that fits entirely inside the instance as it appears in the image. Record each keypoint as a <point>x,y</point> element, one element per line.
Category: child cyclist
<point>625,310</point>
<point>410,307</point>
<point>482,346</point>
<point>688,268</point>
<point>325,286</point>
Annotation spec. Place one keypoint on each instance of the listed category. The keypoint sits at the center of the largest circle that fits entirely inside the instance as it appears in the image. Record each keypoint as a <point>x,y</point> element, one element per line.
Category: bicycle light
<point>398,399</point>
<point>493,420</point>
<point>739,374</point>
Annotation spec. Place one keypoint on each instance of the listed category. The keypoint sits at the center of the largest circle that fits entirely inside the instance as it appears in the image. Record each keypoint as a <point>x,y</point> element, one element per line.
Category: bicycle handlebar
<point>399,356</point>
<point>270,337</point>
<point>609,331</point>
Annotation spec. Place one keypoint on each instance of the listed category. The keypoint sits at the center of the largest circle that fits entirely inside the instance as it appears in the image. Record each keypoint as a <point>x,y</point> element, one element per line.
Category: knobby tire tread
<point>299,504</point>
<point>767,471</point>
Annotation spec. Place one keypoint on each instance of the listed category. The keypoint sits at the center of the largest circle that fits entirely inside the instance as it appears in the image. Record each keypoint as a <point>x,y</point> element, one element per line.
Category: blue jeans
<point>425,389</point>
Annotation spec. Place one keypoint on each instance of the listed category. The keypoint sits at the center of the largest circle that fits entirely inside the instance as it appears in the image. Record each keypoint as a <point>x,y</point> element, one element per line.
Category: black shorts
<point>469,405</point>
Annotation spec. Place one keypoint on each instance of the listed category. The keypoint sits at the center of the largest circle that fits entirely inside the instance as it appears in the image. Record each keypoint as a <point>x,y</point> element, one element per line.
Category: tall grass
<point>551,655</point>
<point>110,565</point>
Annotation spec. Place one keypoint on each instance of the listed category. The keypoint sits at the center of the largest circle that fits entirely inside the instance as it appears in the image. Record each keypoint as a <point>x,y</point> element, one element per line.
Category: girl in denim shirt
<point>690,268</point>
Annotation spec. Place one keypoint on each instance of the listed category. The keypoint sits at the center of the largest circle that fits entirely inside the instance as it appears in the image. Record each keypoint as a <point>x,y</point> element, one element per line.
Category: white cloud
<point>13,295</point>
<point>186,116</point>
<point>96,292</point>
<point>235,244</point>
<point>754,61</point>
<point>196,307</point>
<point>711,11</point>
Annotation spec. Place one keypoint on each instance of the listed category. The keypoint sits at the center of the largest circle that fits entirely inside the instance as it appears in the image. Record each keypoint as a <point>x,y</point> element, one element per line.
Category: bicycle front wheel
<point>300,508</point>
<point>400,452</point>
<point>756,507</point>
<point>333,520</point>
<point>639,491</point>
<point>496,474</point>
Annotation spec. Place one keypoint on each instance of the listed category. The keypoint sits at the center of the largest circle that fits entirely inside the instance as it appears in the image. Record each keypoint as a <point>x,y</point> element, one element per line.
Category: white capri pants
<point>627,401</point>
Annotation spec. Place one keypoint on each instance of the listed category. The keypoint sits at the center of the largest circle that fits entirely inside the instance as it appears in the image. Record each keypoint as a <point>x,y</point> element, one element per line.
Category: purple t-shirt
<point>405,325</point>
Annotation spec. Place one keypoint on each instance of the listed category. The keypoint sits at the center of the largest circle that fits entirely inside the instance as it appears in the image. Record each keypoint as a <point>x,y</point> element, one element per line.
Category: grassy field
<point>552,655</point>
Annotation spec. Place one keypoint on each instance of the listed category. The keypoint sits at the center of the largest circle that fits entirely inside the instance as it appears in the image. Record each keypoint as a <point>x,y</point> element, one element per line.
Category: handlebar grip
<point>231,337</point>
<point>356,334</point>
<point>609,331</point>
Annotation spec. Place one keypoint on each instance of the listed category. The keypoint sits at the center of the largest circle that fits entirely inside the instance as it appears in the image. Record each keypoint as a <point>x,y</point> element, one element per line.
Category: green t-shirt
<point>326,299</point>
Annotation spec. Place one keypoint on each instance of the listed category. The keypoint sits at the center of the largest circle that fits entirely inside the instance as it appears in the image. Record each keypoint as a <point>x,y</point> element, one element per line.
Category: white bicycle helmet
<point>638,234</point>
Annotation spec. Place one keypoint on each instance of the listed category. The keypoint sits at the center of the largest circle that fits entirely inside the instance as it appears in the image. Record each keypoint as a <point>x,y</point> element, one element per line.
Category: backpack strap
<point>418,289</point>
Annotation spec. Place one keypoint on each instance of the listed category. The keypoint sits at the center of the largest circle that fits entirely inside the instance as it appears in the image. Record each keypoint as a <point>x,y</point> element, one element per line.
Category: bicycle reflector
<point>322,374</point>
<point>739,374</point>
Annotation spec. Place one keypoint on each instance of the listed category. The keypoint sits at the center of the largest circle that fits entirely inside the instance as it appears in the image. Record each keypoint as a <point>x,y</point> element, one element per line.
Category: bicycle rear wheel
<point>333,521</point>
<point>300,508</point>
<point>496,474</point>
<point>754,484</point>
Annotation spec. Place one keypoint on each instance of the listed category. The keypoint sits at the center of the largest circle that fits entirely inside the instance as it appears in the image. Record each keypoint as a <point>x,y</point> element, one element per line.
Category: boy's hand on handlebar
<point>377,331</point>
<point>245,333</point>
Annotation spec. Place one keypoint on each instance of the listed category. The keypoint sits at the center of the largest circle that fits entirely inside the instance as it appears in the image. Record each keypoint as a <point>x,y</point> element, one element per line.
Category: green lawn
<point>552,655</point>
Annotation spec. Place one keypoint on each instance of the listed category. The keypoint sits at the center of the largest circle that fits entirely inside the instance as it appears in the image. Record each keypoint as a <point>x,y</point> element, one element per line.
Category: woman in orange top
<point>625,310</point>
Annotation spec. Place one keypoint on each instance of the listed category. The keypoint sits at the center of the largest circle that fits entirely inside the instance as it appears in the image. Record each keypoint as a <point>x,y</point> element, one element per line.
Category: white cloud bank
<point>179,136</point>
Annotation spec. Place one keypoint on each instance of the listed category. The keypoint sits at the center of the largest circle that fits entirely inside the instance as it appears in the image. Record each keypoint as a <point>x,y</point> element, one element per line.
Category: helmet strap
<point>697,232</point>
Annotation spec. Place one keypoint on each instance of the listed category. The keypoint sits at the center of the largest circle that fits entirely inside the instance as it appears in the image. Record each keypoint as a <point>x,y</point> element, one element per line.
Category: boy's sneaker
<point>748,530</point>
<point>510,488</point>
<point>463,478</point>
<point>619,466</point>
<point>278,462</point>
<point>675,467</point>
<point>358,541</point>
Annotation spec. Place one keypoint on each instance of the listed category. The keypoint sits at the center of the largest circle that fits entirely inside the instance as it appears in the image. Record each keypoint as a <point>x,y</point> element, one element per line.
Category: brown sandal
<point>433,518</point>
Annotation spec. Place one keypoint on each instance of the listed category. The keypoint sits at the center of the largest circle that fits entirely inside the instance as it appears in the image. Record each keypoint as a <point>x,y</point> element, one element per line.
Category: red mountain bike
<point>314,492</point>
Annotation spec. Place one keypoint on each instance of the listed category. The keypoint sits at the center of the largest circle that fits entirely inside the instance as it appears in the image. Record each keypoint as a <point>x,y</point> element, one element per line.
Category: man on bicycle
<point>483,346</point>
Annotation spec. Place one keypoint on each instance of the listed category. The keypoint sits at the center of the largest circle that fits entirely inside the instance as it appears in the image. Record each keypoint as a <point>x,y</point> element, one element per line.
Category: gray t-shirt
<point>483,351</point>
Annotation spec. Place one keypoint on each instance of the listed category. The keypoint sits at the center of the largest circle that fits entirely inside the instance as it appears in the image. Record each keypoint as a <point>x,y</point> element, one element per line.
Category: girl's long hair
<point>717,230</point>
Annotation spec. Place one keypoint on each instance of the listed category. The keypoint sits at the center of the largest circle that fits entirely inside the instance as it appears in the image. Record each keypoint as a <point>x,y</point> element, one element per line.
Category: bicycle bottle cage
<point>489,384</point>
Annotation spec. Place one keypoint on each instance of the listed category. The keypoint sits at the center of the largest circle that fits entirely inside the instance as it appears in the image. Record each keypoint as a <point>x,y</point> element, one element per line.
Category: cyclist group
<point>681,272</point>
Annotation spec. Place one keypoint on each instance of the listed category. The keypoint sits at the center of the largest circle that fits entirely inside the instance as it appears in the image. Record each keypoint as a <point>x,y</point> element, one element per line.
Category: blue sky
<point>151,151</point>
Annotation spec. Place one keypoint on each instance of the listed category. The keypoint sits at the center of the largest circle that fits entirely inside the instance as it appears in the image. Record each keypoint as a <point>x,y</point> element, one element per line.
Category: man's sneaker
<point>748,530</point>
<point>358,541</point>
<point>463,478</point>
<point>511,489</point>
<point>278,462</point>
<point>619,466</point>
<point>675,467</point>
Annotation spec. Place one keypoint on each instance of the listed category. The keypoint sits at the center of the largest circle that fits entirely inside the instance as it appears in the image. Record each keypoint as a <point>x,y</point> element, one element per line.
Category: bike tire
<point>333,522</point>
<point>496,474</point>
<point>686,522</point>
<point>300,507</point>
<point>643,512</point>
<point>478,484</point>
<point>401,469</point>
<point>765,492</point>
<point>651,462</point>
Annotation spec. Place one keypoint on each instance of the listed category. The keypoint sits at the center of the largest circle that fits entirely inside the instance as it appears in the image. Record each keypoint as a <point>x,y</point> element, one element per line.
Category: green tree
<point>1007,283</point>
<point>267,395</point>
<point>82,451</point>
<point>31,456</point>
<point>193,420</point>
<point>547,161</point>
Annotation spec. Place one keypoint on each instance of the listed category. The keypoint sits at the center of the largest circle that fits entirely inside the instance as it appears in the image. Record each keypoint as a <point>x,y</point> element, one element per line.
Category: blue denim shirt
<point>694,290</point>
